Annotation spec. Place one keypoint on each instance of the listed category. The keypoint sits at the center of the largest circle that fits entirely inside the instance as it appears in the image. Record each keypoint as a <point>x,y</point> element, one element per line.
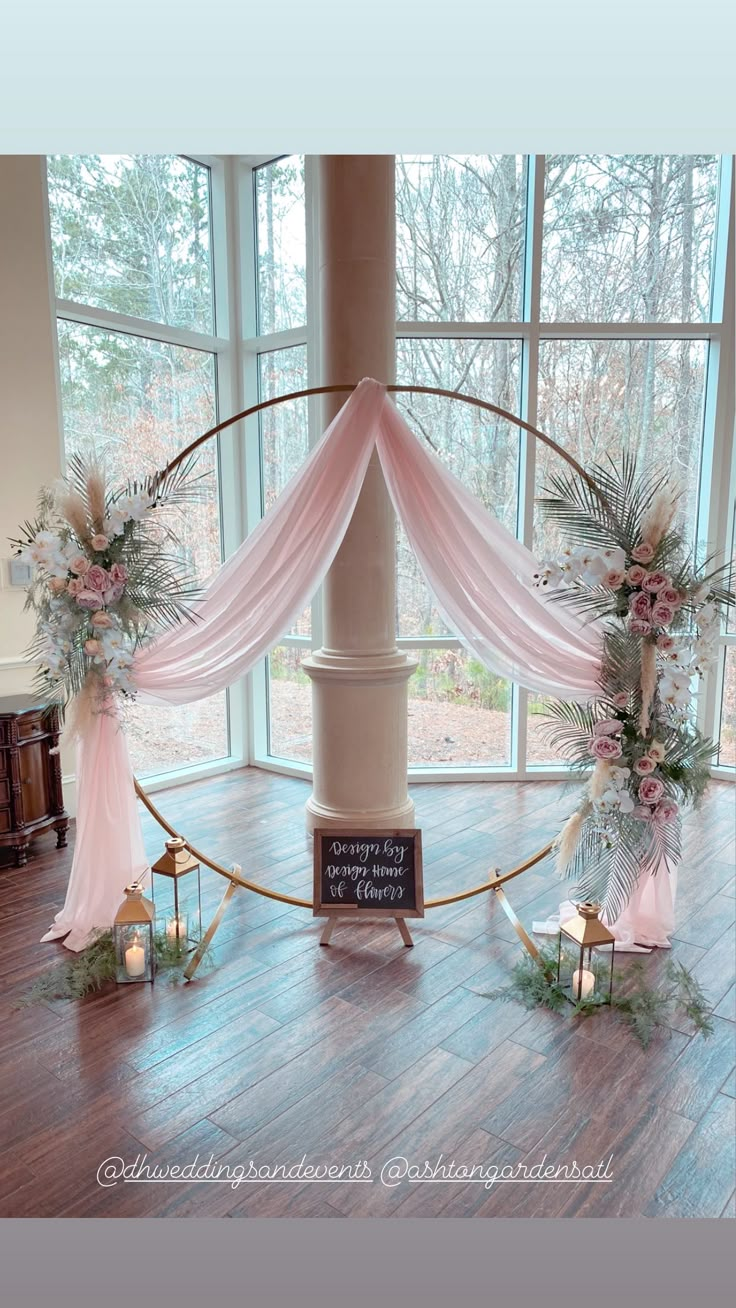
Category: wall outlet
<point>19,574</point>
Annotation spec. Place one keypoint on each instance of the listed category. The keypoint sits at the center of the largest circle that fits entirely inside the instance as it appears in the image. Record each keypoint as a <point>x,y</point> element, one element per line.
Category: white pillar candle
<point>135,960</point>
<point>584,990</point>
<point>176,928</point>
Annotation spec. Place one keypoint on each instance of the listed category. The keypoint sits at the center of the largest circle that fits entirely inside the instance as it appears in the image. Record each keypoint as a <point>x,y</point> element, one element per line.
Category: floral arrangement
<point>629,569</point>
<point>107,576</point>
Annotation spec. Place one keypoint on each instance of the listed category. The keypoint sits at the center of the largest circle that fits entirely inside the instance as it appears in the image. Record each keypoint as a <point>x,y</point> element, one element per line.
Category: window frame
<point>220,345</point>
<point>236,346</point>
<point>717,461</point>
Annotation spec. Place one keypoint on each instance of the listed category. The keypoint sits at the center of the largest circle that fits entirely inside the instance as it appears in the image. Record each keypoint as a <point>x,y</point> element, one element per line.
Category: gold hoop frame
<point>495,881</point>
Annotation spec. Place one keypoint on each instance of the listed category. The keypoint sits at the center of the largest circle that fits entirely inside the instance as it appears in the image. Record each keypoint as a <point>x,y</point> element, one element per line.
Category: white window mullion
<point>527,442</point>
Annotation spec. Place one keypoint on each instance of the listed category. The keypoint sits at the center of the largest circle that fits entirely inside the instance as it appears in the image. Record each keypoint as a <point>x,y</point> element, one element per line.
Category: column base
<point>321,815</point>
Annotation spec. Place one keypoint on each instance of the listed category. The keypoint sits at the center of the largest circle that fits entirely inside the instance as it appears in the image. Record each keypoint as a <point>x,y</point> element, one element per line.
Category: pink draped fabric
<point>480,575</point>
<point>108,849</point>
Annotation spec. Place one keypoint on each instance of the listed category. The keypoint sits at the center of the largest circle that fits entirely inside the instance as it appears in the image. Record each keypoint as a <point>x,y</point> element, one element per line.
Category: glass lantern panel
<point>134,951</point>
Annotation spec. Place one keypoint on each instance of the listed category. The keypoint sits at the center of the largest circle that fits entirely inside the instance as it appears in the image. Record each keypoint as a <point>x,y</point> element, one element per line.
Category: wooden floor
<point>366,1050</point>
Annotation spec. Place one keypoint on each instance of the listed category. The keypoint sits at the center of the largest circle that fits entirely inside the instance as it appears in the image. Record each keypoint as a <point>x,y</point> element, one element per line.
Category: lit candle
<point>135,958</point>
<point>176,928</point>
<point>583,983</point>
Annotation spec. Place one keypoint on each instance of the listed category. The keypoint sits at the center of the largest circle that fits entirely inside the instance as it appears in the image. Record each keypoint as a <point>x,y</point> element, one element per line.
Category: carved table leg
<point>61,831</point>
<point>21,855</point>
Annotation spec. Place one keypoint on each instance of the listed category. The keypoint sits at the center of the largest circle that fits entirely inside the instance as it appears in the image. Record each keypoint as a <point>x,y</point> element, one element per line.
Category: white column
<point>359,678</point>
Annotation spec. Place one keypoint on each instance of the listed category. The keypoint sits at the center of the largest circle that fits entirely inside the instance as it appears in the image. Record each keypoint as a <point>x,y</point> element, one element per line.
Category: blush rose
<point>650,790</point>
<point>605,747</point>
<point>643,553</point>
<point>96,578</point>
<point>79,564</point>
<point>662,614</point>
<point>636,574</point>
<point>655,581</point>
<point>639,627</point>
<point>670,596</point>
<point>666,811</point>
<point>644,766</point>
<point>640,606</point>
<point>99,542</point>
<point>608,727</point>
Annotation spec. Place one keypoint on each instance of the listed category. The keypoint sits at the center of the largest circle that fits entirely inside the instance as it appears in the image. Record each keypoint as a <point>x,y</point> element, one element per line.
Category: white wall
<point>30,435</point>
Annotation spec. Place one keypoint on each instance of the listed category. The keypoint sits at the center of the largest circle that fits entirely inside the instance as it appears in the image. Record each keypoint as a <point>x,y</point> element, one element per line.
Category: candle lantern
<point>583,969</point>
<point>132,934</point>
<point>182,919</point>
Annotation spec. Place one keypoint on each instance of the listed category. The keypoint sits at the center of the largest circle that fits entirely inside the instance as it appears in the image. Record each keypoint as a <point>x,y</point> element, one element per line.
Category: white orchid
<point>675,689</point>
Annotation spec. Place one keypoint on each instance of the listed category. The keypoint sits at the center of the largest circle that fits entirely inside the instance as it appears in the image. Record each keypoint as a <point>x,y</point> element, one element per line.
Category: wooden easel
<point>334,918</point>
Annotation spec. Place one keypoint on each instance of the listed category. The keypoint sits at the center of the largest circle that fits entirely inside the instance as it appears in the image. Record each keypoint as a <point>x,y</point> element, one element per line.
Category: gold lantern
<point>581,971</point>
<point>182,921</point>
<point>132,934</point>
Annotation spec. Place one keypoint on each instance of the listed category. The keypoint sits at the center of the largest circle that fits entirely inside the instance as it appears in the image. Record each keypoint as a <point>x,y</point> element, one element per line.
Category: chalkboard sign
<point>370,873</point>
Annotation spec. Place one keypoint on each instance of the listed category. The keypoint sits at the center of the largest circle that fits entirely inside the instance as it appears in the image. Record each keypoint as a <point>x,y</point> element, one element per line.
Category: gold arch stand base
<point>494,883</point>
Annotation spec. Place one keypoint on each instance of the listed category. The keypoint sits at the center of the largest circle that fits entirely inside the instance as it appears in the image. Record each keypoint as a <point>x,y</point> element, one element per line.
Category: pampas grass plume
<point>96,496</point>
<point>567,841</point>
<point>659,517</point>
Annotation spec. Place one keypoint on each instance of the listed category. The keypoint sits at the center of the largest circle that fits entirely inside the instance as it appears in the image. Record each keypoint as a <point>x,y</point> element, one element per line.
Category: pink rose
<point>609,727</point>
<point>605,747</point>
<point>662,614</point>
<point>666,811</point>
<point>670,596</point>
<point>665,643</point>
<point>638,627</point>
<point>57,585</point>
<point>113,594</point>
<point>88,599</point>
<point>101,619</point>
<point>99,542</point>
<point>75,585</point>
<point>118,574</point>
<point>636,574</point>
<point>96,578</point>
<point>620,699</point>
<point>655,581</point>
<point>650,790</point>
<point>79,564</point>
<point>643,553</point>
<point>639,606</point>
<point>642,813</point>
<point>644,766</point>
<point>614,578</point>
<point>92,647</point>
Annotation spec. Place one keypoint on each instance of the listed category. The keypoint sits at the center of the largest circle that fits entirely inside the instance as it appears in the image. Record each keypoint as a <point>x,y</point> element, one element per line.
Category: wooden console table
<point>31,797</point>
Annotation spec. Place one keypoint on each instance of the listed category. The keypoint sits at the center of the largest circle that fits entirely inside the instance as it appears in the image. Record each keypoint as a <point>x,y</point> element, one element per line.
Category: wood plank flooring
<point>364,1051</point>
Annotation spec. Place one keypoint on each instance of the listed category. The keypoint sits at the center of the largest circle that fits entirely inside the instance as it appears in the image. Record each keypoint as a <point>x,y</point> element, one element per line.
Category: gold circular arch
<point>344,388</point>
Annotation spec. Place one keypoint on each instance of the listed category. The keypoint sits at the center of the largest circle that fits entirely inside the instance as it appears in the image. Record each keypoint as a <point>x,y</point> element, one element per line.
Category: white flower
<point>619,776</point>
<point>674,689</point>
<point>615,558</point>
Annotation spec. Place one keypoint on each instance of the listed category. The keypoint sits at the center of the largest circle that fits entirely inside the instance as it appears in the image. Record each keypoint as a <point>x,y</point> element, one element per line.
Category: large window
<point>133,273</point>
<point>588,294</point>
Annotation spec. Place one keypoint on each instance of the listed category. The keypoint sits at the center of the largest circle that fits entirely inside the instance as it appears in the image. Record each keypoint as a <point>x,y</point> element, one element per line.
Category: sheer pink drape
<point>480,575</point>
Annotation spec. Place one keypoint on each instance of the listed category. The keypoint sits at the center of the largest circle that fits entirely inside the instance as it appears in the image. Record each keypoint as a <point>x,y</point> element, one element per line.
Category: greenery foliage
<point>629,570</point>
<point>643,1008</point>
<point>95,967</point>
